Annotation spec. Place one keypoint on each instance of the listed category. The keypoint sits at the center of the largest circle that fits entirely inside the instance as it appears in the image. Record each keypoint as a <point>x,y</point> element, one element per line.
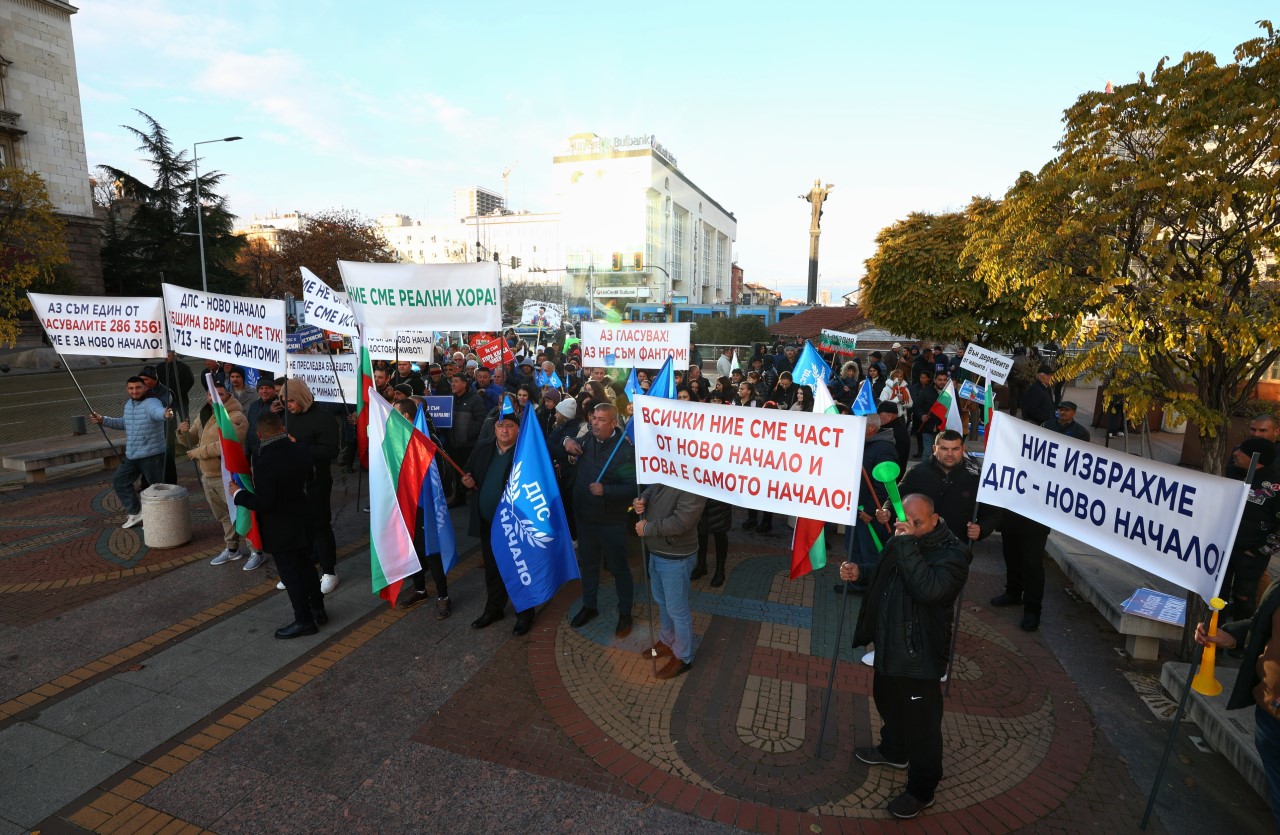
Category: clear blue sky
<point>387,106</point>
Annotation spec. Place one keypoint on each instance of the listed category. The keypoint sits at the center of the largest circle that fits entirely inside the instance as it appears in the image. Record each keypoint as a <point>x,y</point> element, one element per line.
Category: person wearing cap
<point>263,404</point>
<point>202,442</point>
<point>245,395</point>
<point>1064,421</point>
<point>143,422</point>
<point>313,426</point>
<point>1038,403</point>
<point>486,472</point>
<point>1248,560</point>
<point>154,388</point>
<point>891,419</point>
<point>601,497</point>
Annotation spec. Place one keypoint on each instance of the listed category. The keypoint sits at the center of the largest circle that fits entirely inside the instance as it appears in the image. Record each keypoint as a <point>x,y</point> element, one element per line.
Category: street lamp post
<point>195,161</point>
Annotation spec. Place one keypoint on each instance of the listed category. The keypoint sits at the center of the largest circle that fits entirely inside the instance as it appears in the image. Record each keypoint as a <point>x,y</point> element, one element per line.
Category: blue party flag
<point>437,524</point>
<point>530,534</point>
<point>810,367</point>
<point>865,403</point>
<point>664,384</point>
<point>632,388</point>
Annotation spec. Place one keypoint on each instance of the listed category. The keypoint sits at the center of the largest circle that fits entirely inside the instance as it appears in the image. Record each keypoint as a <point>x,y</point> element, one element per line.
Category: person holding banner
<point>202,443</point>
<point>314,426</point>
<point>669,526</point>
<point>1248,561</point>
<point>907,615</point>
<point>604,482</point>
<point>151,379</point>
<point>143,422</point>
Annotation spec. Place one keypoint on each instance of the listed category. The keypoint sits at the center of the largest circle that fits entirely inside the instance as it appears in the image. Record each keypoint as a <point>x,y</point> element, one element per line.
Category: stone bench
<point>1107,582</point>
<point>1229,732</point>
<point>33,458</point>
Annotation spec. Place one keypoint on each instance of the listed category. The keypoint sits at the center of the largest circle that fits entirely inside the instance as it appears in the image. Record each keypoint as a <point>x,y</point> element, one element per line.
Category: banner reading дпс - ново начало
<point>1177,524</point>
<point>232,329</point>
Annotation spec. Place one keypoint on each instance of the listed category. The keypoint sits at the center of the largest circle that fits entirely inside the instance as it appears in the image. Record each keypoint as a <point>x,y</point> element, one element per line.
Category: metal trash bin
<point>166,516</point>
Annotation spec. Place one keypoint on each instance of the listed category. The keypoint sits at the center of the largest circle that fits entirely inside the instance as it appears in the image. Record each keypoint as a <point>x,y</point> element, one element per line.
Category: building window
<point>706,255</point>
<point>653,229</point>
<point>720,247</point>
<point>677,243</point>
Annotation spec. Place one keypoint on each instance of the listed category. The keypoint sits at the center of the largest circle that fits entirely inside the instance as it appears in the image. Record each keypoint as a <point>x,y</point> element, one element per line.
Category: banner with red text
<point>635,344</point>
<point>794,463</point>
<point>232,329</point>
<point>102,326</point>
<point>408,346</point>
<point>1178,524</point>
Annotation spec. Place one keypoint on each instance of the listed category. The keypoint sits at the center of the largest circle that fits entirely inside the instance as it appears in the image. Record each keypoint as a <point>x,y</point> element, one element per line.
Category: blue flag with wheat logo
<point>810,367</point>
<point>530,534</point>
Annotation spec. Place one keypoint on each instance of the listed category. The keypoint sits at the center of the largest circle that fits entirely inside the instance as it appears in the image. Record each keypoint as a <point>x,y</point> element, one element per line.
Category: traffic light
<point>495,256</point>
<point>637,261</point>
<point>617,261</point>
<point>515,263</point>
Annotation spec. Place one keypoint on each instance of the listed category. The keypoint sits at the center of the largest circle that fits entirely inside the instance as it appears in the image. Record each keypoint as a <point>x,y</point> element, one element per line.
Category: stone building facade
<point>41,127</point>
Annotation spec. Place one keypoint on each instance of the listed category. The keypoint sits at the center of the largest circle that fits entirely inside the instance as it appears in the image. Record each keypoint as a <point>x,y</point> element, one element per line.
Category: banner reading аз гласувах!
<point>234,329</point>
<point>387,298</point>
<point>1177,524</point>
<point>635,344</point>
<point>102,325</point>
<point>318,372</point>
<point>794,463</point>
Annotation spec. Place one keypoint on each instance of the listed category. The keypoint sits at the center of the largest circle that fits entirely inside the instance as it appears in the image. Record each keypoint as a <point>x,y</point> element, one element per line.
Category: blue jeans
<point>604,544</point>
<point>1266,737</point>
<point>670,577</point>
<point>151,466</point>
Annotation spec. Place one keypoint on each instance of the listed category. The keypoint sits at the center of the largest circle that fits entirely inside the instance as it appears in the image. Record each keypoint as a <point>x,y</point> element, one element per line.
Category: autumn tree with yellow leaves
<point>31,245</point>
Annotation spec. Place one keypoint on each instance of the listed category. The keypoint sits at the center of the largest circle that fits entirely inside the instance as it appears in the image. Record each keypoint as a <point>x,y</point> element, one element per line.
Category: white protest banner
<point>1177,524</point>
<point>387,298</point>
<point>541,314</point>
<point>233,329</point>
<point>838,341</point>
<point>793,463</point>
<point>995,367</point>
<point>318,372</point>
<point>324,307</point>
<point>103,326</point>
<point>414,346</point>
<point>635,344</point>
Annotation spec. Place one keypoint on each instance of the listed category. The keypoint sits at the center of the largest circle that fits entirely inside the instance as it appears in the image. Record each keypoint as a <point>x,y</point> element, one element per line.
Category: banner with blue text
<point>1177,524</point>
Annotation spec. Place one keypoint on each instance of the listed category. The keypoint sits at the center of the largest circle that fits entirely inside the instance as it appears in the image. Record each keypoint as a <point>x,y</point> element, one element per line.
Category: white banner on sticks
<point>413,346</point>
<point>103,326</point>
<point>635,344</point>
<point>1177,524</point>
<point>793,463</point>
<point>324,307</point>
<point>233,329</point>
<point>995,367</point>
<point>318,372</point>
<point>387,298</point>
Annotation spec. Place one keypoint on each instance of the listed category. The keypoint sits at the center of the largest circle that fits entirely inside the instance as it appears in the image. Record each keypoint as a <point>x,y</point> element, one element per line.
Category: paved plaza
<point>143,692</point>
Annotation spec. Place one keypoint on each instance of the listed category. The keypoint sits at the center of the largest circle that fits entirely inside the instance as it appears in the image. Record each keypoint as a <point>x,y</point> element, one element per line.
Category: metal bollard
<point>78,426</point>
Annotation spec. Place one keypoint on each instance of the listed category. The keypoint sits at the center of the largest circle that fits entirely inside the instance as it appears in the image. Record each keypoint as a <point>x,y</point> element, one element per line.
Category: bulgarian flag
<point>944,409</point>
<point>399,460</point>
<point>362,411</point>
<point>808,545</point>
<point>235,467</point>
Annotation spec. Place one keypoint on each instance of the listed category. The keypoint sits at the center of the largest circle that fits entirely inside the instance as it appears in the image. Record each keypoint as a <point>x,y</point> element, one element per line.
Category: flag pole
<point>955,617</point>
<point>1182,702</point>
<point>76,382</point>
<point>835,651</point>
<point>648,594</point>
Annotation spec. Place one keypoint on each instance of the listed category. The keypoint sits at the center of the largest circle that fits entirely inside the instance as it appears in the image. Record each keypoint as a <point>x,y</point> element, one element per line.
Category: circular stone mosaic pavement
<point>735,738</point>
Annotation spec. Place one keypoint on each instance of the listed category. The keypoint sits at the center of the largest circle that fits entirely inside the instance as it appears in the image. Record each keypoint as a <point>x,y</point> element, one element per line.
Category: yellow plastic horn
<point>1204,682</point>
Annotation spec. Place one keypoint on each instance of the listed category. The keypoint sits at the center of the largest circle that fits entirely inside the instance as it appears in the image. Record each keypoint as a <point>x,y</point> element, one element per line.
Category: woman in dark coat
<point>715,521</point>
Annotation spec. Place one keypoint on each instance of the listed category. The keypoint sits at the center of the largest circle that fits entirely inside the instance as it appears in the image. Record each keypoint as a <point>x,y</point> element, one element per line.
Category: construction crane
<point>506,186</point>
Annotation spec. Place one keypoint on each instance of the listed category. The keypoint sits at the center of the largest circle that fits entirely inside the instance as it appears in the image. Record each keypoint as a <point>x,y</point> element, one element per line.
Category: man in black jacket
<point>600,501</point>
<point>315,427</point>
<point>486,471</point>
<point>950,478</point>
<point>907,614</point>
<point>280,469</point>
<point>879,447</point>
<point>1038,403</point>
<point>468,420</point>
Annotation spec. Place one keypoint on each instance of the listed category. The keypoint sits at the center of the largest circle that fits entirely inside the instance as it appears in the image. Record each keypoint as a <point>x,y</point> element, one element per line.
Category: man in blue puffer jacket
<point>143,423</point>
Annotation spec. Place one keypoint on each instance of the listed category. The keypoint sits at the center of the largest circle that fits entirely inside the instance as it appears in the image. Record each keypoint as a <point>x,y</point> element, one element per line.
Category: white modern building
<point>477,200</point>
<point>624,202</point>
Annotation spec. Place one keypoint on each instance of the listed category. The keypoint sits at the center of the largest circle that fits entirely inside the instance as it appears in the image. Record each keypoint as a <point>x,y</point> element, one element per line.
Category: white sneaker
<point>280,585</point>
<point>134,519</point>
<point>255,561</point>
<point>869,659</point>
<point>227,555</point>
<point>328,582</point>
